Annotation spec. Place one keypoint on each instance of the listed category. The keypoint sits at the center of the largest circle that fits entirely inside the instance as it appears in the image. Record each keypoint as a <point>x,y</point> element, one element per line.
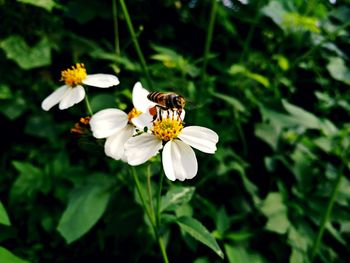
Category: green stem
<point>150,216</point>
<point>163,250</point>
<point>240,133</point>
<point>149,190</point>
<point>159,195</point>
<point>327,213</point>
<point>208,40</point>
<point>144,206</point>
<point>88,107</point>
<point>116,28</point>
<point>254,23</point>
<point>136,44</point>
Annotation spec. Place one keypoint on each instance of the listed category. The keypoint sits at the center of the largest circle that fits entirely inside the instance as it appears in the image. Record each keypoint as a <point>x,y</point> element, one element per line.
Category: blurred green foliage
<point>275,90</point>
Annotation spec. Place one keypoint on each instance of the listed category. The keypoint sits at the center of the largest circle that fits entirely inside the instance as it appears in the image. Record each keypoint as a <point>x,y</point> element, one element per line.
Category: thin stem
<point>139,191</point>
<point>149,190</point>
<point>327,213</point>
<point>87,104</point>
<point>116,28</point>
<point>136,43</point>
<point>254,23</point>
<point>240,133</point>
<point>163,250</point>
<point>159,195</point>
<point>150,217</point>
<point>208,40</point>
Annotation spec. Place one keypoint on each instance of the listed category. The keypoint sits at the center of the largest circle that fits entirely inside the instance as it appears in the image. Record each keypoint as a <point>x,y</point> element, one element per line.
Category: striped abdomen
<point>167,100</point>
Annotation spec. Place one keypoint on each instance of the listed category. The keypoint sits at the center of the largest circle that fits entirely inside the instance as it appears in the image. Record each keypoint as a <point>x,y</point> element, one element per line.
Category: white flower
<point>117,126</point>
<point>73,92</point>
<point>179,159</point>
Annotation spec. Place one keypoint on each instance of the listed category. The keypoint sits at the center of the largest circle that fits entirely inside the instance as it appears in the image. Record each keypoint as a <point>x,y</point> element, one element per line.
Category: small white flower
<point>179,159</point>
<point>73,92</point>
<point>118,126</point>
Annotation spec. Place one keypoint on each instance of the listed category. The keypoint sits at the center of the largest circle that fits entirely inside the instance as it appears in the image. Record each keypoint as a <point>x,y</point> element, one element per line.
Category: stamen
<point>133,114</point>
<point>81,127</point>
<point>74,76</point>
<point>167,129</point>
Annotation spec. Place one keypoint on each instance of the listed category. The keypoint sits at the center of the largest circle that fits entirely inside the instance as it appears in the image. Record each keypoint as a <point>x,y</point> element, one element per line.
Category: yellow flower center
<point>133,114</point>
<point>74,76</point>
<point>167,129</point>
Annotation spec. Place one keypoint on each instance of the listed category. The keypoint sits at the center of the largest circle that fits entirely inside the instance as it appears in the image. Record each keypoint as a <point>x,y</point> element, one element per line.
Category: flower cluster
<point>140,134</point>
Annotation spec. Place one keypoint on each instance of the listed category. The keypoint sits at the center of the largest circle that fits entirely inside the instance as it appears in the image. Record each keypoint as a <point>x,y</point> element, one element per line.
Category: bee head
<point>180,101</point>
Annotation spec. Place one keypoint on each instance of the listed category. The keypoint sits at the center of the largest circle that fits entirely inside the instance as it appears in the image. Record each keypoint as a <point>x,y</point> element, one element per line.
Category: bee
<point>166,101</point>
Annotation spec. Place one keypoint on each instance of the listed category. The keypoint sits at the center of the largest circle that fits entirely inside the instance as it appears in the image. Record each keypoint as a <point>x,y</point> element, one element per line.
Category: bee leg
<point>159,113</point>
<point>180,111</point>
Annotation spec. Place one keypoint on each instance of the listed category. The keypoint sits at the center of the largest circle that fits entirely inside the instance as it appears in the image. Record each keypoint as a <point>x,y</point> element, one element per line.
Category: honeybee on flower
<point>167,133</point>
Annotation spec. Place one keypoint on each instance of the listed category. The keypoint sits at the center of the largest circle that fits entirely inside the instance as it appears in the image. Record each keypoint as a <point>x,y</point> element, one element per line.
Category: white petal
<point>140,148</point>
<point>143,120</point>
<point>179,161</point>
<point>71,97</point>
<point>101,80</point>
<point>139,98</point>
<point>201,138</point>
<point>107,122</point>
<point>114,146</point>
<point>54,98</point>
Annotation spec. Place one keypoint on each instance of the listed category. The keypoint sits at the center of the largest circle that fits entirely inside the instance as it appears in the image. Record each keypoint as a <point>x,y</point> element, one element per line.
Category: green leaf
<point>276,212</point>
<point>338,70</point>
<point>46,4</point>
<point>30,181</point>
<point>235,103</point>
<point>239,254</point>
<point>5,92</point>
<point>304,117</point>
<point>195,228</point>
<point>294,21</point>
<point>309,120</point>
<point>13,108</point>
<point>35,127</point>
<point>27,57</point>
<point>297,117</point>
<point>172,59</point>
<point>240,236</point>
<point>4,219</point>
<point>7,257</point>
<point>248,185</point>
<point>259,78</point>
<point>277,119</point>
<point>176,196</point>
<point>222,221</point>
<point>85,207</point>
<point>324,143</point>
<point>268,133</point>
<point>282,61</point>
<point>341,13</point>
<point>290,21</point>
<point>240,69</point>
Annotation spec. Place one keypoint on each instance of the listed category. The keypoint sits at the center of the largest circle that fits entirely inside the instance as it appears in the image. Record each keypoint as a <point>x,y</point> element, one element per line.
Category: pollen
<point>133,114</point>
<point>75,75</point>
<point>167,129</point>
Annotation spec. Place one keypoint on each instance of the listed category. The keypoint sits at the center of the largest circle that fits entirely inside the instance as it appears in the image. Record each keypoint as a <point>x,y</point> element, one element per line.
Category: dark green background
<point>275,89</point>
